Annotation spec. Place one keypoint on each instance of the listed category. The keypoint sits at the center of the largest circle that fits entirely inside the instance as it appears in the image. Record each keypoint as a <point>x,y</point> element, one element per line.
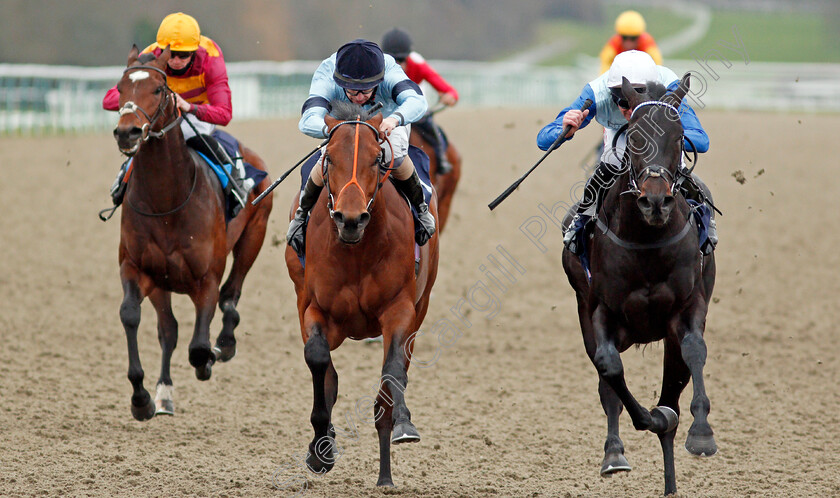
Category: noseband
<point>131,108</point>
<point>380,165</point>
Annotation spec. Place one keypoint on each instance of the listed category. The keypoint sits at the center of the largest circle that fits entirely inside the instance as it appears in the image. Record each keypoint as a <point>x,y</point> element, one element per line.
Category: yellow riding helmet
<point>180,31</point>
<point>630,23</point>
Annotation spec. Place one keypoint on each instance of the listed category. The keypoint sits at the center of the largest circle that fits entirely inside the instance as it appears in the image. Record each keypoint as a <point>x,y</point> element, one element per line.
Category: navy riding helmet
<point>359,65</point>
<point>397,43</point>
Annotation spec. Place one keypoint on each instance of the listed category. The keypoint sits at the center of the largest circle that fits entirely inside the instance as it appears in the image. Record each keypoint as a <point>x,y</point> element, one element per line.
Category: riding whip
<point>557,143</point>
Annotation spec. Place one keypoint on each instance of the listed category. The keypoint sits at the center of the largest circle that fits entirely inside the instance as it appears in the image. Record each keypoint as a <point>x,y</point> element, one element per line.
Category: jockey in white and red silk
<point>197,75</point>
<point>360,73</point>
<point>397,43</point>
<point>611,110</point>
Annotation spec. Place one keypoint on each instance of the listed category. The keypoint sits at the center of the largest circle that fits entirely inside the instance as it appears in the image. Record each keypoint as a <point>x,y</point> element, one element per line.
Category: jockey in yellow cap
<point>197,74</point>
<point>629,34</point>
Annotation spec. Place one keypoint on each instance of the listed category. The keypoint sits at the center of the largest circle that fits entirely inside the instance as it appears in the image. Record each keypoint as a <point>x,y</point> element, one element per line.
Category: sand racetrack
<point>510,408</point>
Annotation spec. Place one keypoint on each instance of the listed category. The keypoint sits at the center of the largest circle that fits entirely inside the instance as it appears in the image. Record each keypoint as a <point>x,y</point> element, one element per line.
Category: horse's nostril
<point>668,203</point>
<point>338,217</point>
<point>135,133</point>
<point>364,218</point>
<point>644,203</point>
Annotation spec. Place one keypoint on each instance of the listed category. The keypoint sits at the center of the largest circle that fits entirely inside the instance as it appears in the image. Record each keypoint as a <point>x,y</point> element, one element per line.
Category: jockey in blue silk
<point>610,109</point>
<point>360,73</point>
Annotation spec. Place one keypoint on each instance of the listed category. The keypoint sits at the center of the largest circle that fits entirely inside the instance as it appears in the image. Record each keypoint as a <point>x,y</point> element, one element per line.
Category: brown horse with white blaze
<point>173,235</point>
<point>359,281</point>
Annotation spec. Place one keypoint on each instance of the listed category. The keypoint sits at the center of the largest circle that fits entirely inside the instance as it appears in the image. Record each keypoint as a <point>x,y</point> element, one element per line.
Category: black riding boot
<point>296,236</point>
<point>237,188</point>
<point>693,188</point>
<point>444,166</point>
<point>596,186</point>
<point>118,188</point>
<point>413,190</point>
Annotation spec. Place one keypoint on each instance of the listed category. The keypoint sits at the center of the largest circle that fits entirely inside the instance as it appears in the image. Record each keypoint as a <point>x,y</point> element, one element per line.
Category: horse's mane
<point>347,111</point>
<point>656,90</point>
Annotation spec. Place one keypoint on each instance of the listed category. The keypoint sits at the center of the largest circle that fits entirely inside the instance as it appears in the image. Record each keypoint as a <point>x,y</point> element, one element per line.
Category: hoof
<point>385,483</point>
<point>613,463</point>
<point>163,400</point>
<point>405,432</point>
<point>703,446</point>
<point>205,372</point>
<point>143,411</point>
<point>319,464</point>
<point>201,356</point>
<point>666,419</point>
<point>224,353</point>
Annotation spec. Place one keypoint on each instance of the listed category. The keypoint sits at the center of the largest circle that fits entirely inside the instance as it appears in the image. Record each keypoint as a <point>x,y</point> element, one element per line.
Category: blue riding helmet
<point>359,65</point>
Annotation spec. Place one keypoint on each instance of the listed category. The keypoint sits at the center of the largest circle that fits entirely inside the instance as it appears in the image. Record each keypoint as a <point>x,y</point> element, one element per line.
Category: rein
<point>353,180</point>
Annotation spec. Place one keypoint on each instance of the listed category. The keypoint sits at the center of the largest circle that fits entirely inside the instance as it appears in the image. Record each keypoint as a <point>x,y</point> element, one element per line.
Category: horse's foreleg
<point>245,252</point>
<point>607,361</point>
<point>168,338</point>
<point>141,403</point>
<point>614,459</point>
<point>675,376</point>
<point>316,352</point>
<point>205,300</point>
<point>700,440</point>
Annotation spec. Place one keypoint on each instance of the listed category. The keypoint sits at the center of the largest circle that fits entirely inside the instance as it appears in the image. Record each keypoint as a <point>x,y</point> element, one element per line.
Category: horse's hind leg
<point>142,407</point>
<point>245,252</point>
<point>614,459</point>
<point>168,337</point>
<point>316,352</point>
<point>205,300</point>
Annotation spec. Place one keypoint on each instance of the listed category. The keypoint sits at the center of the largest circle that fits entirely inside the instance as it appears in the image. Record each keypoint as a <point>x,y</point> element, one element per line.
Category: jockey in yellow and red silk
<point>197,75</point>
<point>629,34</point>
<point>397,43</point>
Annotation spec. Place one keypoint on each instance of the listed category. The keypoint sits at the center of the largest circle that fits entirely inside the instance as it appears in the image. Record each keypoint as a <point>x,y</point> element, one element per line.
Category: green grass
<point>589,39</point>
<point>777,37</point>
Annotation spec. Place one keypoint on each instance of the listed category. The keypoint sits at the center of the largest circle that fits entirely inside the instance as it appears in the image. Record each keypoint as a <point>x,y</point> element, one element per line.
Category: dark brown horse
<point>649,282</point>
<point>173,236</point>
<point>360,281</point>
<point>445,185</point>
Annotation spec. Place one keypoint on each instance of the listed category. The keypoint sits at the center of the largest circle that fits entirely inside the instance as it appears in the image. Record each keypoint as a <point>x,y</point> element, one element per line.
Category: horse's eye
<point>158,90</point>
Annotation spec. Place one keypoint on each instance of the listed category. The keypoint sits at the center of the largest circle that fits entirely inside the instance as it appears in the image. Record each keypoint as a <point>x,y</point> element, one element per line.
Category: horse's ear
<point>331,121</point>
<point>163,58</point>
<point>682,89</point>
<point>132,55</point>
<point>375,121</point>
<point>633,97</point>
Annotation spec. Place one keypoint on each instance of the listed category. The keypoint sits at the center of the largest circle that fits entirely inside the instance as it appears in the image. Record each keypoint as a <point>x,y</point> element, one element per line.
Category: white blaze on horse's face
<point>138,75</point>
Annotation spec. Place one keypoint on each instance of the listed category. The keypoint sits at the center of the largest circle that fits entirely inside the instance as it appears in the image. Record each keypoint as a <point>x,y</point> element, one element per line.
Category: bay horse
<point>649,282</point>
<point>445,185</point>
<point>173,235</point>
<point>360,281</point>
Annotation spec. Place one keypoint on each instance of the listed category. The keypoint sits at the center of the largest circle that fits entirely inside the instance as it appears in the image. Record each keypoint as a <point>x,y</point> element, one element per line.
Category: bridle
<point>131,108</point>
<point>655,171</point>
<point>380,163</point>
